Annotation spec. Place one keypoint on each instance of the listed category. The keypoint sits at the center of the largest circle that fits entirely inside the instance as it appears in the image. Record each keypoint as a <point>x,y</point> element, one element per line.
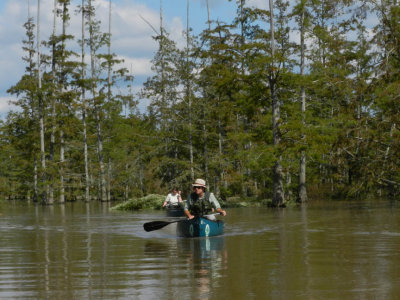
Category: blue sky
<point>131,36</point>
<point>131,40</point>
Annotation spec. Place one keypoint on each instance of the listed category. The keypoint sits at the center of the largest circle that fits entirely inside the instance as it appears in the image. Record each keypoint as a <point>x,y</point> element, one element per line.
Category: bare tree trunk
<point>221,142</point>
<point>85,152</point>
<point>102,181</point>
<point>62,142</point>
<point>208,16</point>
<point>392,129</point>
<point>31,72</point>
<point>302,196</point>
<point>205,150</point>
<point>220,150</point>
<point>62,188</point>
<point>278,198</point>
<point>53,104</point>
<point>35,180</point>
<point>127,182</point>
<point>386,157</point>
<point>109,96</point>
<point>162,55</point>
<point>248,146</point>
<point>188,94</point>
<point>163,94</point>
<point>83,75</point>
<point>109,180</point>
<point>41,113</point>
<point>109,53</point>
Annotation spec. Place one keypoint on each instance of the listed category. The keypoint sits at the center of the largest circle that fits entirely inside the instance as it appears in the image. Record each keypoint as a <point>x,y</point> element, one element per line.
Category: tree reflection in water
<point>206,259</point>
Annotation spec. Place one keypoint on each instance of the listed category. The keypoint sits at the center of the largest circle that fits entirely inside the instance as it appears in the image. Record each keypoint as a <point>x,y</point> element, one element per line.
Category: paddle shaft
<point>155,225</point>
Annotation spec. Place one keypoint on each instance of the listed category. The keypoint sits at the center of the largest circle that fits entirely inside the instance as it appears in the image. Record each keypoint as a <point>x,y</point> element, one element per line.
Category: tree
<point>45,200</point>
<point>95,41</point>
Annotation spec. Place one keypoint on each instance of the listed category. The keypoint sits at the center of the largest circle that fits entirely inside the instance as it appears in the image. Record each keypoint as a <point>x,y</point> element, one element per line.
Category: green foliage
<point>215,95</point>
<point>152,201</point>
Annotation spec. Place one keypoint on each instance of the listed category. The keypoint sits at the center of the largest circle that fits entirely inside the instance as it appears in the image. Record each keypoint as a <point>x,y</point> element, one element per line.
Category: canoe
<point>199,227</point>
<point>175,211</point>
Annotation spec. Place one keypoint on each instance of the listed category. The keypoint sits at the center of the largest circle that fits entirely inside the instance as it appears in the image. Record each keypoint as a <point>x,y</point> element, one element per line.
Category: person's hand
<point>190,217</point>
<point>222,212</point>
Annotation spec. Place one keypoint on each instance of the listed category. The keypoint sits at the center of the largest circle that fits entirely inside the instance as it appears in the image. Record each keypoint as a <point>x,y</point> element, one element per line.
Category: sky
<point>131,35</point>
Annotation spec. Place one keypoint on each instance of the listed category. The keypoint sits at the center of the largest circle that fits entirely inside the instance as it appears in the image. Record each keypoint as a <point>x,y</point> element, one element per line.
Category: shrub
<point>151,201</point>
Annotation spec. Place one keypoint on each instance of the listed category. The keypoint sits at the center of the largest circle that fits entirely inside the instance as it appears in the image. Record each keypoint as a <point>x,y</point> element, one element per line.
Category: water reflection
<point>206,260</point>
<point>85,252</point>
<point>202,262</point>
<point>89,251</point>
<point>157,248</point>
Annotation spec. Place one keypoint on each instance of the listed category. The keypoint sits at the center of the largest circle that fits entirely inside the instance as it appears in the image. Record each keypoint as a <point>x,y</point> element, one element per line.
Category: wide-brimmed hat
<point>200,182</point>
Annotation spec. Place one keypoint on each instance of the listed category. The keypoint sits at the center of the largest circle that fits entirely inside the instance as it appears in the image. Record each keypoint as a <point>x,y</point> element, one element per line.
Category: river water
<point>327,250</point>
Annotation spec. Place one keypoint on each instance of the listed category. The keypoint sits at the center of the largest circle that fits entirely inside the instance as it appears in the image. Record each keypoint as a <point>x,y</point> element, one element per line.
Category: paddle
<point>155,225</point>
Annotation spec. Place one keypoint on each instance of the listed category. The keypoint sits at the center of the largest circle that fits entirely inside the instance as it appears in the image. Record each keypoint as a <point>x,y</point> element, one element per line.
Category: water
<point>78,251</point>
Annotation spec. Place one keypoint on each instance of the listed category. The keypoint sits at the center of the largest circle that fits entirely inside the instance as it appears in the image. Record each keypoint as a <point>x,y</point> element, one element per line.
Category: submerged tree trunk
<point>53,104</point>
<point>64,89</point>
<point>41,115</point>
<point>109,172</point>
<point>35,180</point>
<point>278,198</point>
<point>220,151</point>
<point>85,152</point>
<point>102,180</point>
<point>126,192</point>
<point>84,109</point>
<point>302,193</point>
<point>109,94</point>
<point>62,188</point>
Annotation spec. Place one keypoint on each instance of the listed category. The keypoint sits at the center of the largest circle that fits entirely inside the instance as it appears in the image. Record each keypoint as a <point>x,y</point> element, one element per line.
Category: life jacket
<point>200,206</point>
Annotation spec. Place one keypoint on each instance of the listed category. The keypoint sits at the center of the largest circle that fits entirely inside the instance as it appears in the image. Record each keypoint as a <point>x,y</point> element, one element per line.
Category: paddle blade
<point>155,225</point>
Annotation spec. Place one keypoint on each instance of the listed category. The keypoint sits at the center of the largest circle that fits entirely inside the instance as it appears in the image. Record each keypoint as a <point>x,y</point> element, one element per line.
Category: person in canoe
<point>173,199</point>
<point>201,202</point>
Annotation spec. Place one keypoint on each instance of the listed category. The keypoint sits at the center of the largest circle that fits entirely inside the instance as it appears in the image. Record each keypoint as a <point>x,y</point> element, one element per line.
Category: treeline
<point>298,101</point>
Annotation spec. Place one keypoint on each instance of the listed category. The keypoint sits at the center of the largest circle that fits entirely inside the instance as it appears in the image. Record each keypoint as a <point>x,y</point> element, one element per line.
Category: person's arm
<point>179,196</point>
<point>166,201</point>
<point>188,214</point>
<point>186,208</point>
<point>215,203</point>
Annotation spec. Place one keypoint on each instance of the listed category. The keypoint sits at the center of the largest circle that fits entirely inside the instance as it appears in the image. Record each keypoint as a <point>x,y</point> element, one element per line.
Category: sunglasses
<point>197,187</point>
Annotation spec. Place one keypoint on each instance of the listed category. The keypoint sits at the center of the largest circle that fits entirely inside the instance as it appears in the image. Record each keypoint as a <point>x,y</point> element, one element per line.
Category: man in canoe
<point>201,202</point>
<point>173,198</point>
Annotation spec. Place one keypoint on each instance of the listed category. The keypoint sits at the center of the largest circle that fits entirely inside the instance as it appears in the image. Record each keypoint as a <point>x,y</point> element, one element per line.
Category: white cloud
<point>140,66</point>
<point>177,32</point>
<point>258,3</point>
<point>5,105</point>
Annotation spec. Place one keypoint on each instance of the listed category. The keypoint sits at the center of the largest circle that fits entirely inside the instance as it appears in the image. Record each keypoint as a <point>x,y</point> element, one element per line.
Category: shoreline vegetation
<point>242,104</point>
<point>154,201</point>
